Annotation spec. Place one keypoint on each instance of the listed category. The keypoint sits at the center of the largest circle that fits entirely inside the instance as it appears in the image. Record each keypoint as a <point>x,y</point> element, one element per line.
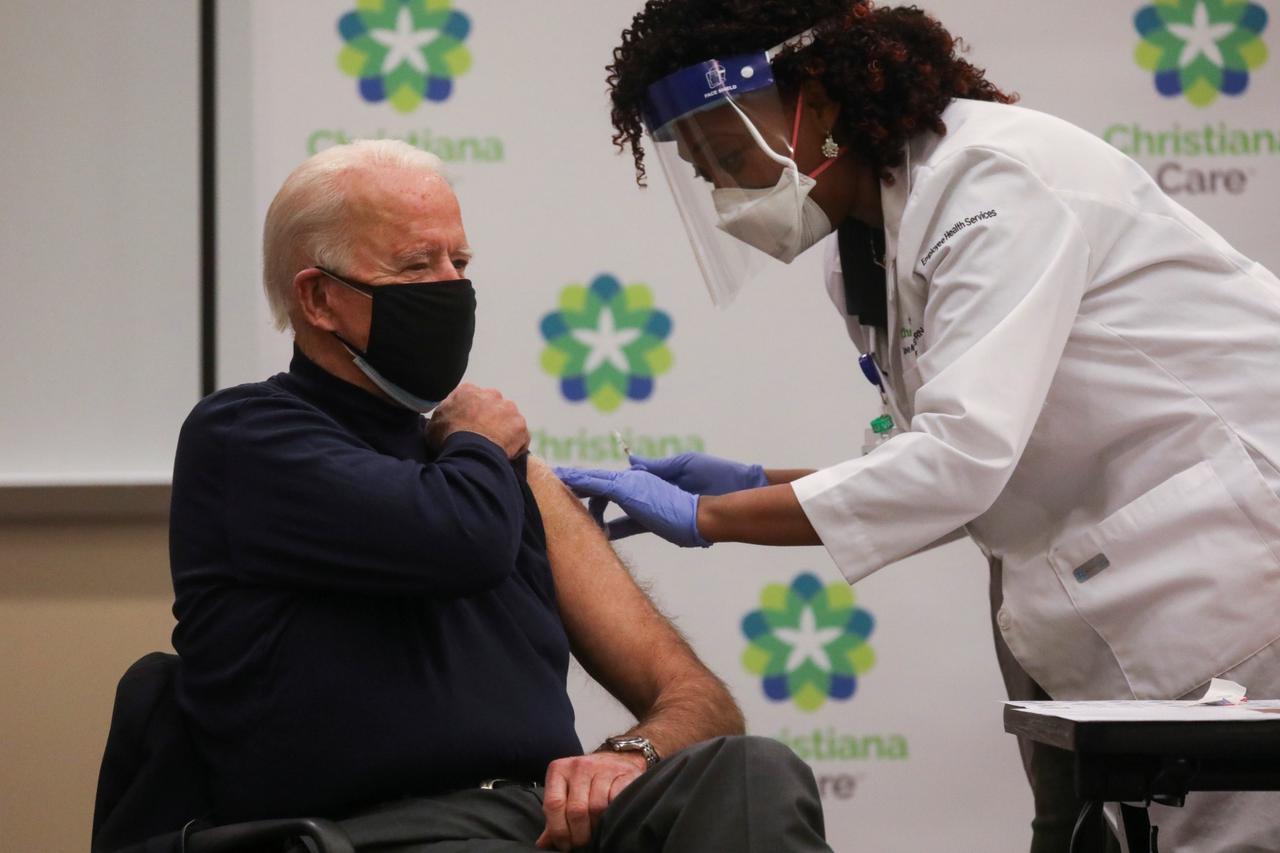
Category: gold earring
<point>830,148</point>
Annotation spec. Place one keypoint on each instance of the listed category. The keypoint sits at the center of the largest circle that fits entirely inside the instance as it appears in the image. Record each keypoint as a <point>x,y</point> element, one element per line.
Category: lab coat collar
<point>917,151</point>
<point>893,201</point>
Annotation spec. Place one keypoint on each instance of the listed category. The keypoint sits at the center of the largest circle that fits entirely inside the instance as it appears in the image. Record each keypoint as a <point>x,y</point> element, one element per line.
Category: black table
<point>1138,761</point>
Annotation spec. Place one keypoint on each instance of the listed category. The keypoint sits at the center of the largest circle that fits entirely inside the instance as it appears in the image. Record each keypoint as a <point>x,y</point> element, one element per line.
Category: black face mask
<point>419,338</point>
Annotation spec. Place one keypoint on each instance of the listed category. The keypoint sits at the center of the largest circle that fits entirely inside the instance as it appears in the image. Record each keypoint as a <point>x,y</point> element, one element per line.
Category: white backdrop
<point>916,758</point>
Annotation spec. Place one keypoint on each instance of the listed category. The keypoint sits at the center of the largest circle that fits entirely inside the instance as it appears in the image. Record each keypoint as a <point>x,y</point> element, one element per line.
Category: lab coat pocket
<point>1175,582</point>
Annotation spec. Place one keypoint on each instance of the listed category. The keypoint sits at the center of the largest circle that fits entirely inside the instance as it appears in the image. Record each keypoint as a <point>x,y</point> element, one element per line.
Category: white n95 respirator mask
<point>781,220</point>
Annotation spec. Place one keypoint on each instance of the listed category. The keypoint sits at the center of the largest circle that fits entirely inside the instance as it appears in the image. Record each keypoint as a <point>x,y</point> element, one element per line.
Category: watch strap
<point>634,744</point>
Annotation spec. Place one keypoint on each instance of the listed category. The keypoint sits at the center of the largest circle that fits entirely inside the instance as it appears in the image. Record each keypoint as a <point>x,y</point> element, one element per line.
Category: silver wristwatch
<point>634,744</point>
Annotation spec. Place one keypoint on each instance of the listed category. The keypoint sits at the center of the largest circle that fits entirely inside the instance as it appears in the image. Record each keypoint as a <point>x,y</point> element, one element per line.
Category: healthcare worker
<point>1076,371</point>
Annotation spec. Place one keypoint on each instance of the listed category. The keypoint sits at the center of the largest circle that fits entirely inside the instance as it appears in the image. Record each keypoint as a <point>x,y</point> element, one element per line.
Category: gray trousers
<point>745,794</point>
<point>1049,770</point>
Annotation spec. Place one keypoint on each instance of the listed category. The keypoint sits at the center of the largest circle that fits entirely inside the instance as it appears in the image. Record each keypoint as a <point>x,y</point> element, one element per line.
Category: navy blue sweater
<point>358,619</point>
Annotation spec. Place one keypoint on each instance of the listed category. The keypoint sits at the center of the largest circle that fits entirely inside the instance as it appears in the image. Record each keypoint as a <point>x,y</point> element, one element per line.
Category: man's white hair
<point>307,222</point>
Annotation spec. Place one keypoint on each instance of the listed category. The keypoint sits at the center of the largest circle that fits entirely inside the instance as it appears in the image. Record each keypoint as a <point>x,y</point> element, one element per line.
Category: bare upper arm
<point>616,632</point>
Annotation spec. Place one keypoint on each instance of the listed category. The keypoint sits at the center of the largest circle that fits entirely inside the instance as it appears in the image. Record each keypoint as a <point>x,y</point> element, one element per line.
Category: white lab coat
<point>1091,379</point>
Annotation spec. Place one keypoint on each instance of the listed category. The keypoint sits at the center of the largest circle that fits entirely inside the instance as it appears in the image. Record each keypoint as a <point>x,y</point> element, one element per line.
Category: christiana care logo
<point>808,642</point>
<point>1201,48</point>
<point>606,343</point>
<point>403,51</point>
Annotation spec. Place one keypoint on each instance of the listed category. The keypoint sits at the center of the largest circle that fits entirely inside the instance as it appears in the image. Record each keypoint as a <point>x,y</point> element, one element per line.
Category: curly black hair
<point>893,70</point>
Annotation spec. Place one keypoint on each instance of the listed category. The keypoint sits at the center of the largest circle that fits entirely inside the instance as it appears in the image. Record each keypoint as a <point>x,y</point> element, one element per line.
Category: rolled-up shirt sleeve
<point>1002,297</point>
<point>309,505</point>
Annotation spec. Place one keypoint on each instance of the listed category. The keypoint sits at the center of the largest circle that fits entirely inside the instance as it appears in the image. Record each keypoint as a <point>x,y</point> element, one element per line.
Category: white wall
<point>98,238</point>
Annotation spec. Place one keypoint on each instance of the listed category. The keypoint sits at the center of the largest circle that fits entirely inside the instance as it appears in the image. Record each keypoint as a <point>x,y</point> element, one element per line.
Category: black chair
<point>151,790</point>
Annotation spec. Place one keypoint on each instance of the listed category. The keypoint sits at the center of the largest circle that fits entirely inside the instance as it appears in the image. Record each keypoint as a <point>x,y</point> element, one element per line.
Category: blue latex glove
<point>650,503</point>
<point>702,473</point>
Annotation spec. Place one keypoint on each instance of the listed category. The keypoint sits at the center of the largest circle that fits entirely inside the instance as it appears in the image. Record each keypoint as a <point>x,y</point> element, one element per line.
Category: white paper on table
<point>1223,692</point>
<point>1154,710</point>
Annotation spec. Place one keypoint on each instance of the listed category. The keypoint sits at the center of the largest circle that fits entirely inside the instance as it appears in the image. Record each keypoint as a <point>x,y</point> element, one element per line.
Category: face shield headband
<point>712,83</point>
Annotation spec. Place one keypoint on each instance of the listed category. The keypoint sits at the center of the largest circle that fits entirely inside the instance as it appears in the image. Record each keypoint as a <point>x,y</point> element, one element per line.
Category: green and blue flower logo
<point>403,51</point>
<point>606,343</point>
<point>1201,48</point>
<point>808,642</point>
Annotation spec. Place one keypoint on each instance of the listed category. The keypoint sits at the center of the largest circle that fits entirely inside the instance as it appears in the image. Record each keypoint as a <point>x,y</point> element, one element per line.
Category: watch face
<point>635,744</point>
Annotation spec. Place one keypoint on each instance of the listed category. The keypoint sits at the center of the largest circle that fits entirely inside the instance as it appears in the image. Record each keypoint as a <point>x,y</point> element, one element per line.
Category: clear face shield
<point>726,140</point>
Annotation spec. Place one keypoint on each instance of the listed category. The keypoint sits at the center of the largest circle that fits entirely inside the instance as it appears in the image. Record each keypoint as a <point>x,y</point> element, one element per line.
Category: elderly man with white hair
<point>375,612</point>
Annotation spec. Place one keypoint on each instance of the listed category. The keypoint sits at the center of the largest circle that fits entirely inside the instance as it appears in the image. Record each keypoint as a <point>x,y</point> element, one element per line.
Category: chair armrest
<point>327,836</point>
